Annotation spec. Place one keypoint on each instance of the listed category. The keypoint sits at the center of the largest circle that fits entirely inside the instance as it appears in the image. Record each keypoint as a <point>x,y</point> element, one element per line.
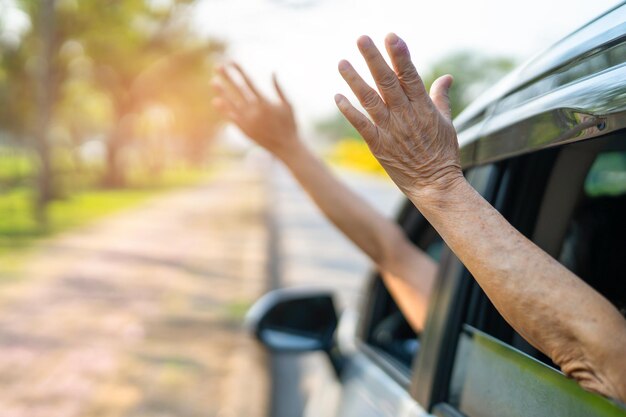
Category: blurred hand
<point>270,124</point>
<point>410,133</point>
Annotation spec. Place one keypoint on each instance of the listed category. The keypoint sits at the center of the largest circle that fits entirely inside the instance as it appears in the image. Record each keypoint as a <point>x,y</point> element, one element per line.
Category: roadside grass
<point>236,311</point>
<point>19,231</point>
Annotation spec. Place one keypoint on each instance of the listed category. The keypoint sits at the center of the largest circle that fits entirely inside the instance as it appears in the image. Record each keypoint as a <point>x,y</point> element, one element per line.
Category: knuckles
<point>409,75</point>
<point>370,99</point>
<point>387,81</point>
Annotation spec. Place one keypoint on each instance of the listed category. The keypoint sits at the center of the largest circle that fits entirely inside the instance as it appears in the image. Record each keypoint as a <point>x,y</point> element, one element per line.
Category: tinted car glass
<point>595,241</point>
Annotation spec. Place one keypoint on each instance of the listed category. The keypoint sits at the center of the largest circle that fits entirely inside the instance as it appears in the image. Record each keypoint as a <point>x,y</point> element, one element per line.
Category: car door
<point>570,201</point>
<point>379,375</point>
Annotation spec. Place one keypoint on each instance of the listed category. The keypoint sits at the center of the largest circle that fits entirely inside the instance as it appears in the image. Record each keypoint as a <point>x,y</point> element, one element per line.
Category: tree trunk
<point>114,175</point>
<point>44,109</point>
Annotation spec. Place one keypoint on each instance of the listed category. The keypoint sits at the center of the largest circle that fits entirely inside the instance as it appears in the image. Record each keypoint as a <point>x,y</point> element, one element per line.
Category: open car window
<point>385,328</point>
<point>570,201</point>
<point>387,331</point>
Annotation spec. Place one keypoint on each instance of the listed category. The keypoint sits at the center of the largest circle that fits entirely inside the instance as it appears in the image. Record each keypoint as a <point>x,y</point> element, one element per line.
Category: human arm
<point>412,136</point>
<point>407,271</point>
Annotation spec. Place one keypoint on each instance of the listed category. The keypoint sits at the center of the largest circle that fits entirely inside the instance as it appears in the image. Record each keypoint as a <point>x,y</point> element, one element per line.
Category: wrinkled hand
<point>410,133</point>
<point>270,124</point>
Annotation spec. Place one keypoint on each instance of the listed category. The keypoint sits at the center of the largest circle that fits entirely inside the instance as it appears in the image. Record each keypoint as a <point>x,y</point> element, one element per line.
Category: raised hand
<point>410,132</point>
<point>271,124</point>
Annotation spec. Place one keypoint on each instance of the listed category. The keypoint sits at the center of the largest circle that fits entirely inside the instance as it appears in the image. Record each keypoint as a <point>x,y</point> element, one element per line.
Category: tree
<point>144,57</point>
<point>46,91</point>
<point>473,73</point>
<point>28,96</point>
<point>105,66</point>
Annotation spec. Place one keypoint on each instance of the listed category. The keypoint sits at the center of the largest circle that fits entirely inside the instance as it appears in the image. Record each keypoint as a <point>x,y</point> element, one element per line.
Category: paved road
<point>313,253</point>
<point>139,315</point>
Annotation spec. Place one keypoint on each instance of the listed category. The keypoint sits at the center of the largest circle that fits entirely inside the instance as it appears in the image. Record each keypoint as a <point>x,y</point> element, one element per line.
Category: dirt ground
<point>140,314</point>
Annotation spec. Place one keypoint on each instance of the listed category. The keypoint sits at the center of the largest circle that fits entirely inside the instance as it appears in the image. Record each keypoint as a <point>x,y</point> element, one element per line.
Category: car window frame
<point>399,371</point>
<point>433,366</point>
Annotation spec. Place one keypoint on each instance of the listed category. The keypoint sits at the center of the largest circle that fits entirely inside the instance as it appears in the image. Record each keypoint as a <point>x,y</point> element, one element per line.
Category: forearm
<point>408,273</point>
<point>376,235</point>
<point>546,303</point>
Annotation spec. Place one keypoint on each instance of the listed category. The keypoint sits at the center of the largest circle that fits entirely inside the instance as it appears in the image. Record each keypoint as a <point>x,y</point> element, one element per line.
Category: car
<point>547,148</point>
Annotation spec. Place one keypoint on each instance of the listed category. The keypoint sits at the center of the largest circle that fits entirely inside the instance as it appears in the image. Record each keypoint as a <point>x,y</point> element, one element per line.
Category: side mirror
<point>296,320</point>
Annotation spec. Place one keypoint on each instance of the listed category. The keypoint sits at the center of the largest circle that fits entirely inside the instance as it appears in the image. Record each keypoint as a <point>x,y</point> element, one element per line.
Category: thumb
<point>439,95</point>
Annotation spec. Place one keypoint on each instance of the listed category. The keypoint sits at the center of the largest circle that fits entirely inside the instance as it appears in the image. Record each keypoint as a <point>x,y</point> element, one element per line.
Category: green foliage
<point>473,73</point>
<point>131,74</point>
<point>336,127</point>
<point>19,230</point>
<point>607,176</point>
<point>112,63</point>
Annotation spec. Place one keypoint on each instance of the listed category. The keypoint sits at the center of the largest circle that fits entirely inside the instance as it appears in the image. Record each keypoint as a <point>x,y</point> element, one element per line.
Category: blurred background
<point>136,227</point>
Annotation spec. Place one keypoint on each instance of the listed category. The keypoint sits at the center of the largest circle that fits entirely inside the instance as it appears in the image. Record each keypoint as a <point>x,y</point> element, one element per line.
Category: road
<point>139,314</point>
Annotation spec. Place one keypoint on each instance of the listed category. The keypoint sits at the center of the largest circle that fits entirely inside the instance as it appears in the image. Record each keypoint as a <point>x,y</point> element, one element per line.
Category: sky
<point>303,40</point>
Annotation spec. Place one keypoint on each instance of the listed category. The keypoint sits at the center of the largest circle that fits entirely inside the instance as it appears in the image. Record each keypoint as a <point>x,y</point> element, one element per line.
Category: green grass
<point>19,230</point>
<point>236,310</point>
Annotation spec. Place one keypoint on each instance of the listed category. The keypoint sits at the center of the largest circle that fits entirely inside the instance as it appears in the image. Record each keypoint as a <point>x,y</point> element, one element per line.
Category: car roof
<point>564,71</point>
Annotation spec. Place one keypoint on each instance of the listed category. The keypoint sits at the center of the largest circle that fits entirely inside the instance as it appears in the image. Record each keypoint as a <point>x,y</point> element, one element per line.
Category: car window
<point>571,201</point>
<point>595,240</point>
<point>387,331</point>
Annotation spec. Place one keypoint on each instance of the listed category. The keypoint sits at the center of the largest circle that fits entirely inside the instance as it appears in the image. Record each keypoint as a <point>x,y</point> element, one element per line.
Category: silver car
<point>547,147</point>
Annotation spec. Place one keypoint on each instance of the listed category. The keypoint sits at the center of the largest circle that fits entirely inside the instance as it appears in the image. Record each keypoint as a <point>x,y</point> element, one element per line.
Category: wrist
<point>442,197</point>
<point>293,153</point>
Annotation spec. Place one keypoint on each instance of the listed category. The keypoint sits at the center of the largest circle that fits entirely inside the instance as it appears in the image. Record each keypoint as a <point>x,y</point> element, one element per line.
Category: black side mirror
<point>296,320</point>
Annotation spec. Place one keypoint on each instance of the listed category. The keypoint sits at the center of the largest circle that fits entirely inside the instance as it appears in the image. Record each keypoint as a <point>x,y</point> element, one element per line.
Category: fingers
<point>386,80</point>
<point>279,90</point>
<point>408,76</point>
<point>247,80</point>
<point>226,108</point>
<point>367,96</point>
<point>225,94</point>
<point>439,93</point>
<point>230,88</point>
<point>357,119</point>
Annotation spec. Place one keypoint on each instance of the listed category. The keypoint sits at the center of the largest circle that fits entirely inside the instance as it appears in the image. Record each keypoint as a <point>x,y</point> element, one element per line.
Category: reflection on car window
<point>607,176</point>
<point>596,238</point>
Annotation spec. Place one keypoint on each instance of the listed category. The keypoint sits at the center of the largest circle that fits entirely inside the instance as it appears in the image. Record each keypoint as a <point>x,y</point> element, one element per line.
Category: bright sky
<point>302,40</point>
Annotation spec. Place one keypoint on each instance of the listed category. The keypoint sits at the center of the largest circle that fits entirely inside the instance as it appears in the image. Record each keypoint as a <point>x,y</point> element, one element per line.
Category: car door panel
<point>368,391</point>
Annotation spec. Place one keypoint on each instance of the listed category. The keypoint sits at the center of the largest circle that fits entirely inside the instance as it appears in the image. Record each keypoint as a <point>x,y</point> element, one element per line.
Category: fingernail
<point>343,65</point>
<point>393,39</point>
<point>338,98</point>
<point>364,41</point>
<point>397,43</point>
